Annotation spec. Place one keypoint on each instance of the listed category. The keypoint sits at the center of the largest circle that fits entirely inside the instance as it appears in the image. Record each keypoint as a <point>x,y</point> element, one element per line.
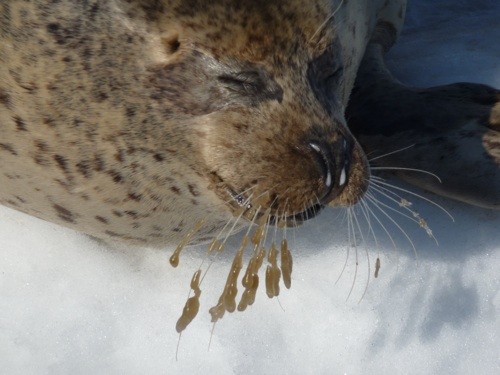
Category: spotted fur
<point>134,119</point>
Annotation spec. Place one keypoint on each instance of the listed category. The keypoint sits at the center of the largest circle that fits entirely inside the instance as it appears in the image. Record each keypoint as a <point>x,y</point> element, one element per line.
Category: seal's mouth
<point>298,218</point>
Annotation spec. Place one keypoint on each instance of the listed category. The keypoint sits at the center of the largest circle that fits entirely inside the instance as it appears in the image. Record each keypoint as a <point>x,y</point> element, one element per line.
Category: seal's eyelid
<point>242,81</point>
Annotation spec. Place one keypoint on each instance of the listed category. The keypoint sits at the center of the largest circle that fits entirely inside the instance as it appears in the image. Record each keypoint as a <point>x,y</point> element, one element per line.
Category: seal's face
<point>267,105</point>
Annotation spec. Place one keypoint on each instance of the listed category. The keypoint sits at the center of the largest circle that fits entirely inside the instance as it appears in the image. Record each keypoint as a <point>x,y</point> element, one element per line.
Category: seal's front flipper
<point>454,132</point>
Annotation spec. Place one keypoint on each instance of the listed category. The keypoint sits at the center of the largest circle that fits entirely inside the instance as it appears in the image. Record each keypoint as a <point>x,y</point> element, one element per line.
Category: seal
<point>133,120</point>
<point>156,122</point>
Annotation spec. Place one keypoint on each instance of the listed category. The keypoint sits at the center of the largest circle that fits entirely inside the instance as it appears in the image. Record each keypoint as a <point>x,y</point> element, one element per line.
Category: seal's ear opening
<point>172,44</point>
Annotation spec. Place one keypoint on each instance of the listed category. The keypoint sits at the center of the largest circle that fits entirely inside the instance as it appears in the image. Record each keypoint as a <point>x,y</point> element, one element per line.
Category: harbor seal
<point>140,120</point>
<point>134,120</point>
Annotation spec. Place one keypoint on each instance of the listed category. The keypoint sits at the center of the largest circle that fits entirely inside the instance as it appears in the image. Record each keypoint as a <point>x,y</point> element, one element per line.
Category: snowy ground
<point>71,305</point>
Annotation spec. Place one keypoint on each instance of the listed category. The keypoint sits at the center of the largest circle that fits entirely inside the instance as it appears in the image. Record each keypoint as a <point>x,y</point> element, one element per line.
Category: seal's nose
<point>333,161</point>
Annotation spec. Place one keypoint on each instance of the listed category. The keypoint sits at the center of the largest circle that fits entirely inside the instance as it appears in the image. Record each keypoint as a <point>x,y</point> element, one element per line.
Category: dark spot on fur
<point>8,148</point>
<point>193,189</point>
<point>20,199</point>
<point>113,234</point>
<point>77,122</point>
<point>42,146</point>
<point>158,157</point>
<point>4,98</point>
<point>98,163</point>
<point>117,213</point>
<point>101,96</point>
<point>132,214</point>
<point>120,156</point>
<point>49,122</point>
<point>53,28</point>
<point>61,162</point>
<point>41,160</point>
<point>64,183</point>
<point>135,197</point>
<point>20,124</point>
<point>176,190</point>
<point>84,168</point>
<point>116,176</point>
<point>12,203</point>
<point>129,112</point>
<point>102,219</point>
<point>64,213</point>
<point>93,11</point>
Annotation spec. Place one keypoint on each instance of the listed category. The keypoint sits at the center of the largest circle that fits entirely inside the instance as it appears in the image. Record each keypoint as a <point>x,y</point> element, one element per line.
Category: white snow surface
<point>69,304</point>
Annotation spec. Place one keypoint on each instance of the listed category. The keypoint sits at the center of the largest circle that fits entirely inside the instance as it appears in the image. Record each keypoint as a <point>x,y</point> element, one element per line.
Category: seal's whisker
<point>366,215</point>
<point>268,224</point>
<point>273,273</point>
<point>227,299</point>
<point>390,153</point>
<point>353,229</point>
<point>375,188</point>
<point>380,181</point>
<point>211,335</point>
<point>220,246</point>
<point>174,259</point>
<point>191,308</point>
<point>366,252</point>
<point>250,280</point>
<point>366,202</point>
<point>325,22</point>
<point>415,215</point>
<point>216,245</point>
<point>370,197</point>
<point>348,247</point>
<point>407,169</point>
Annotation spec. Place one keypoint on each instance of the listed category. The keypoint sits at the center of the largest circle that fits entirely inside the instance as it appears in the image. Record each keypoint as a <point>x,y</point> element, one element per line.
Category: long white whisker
<point>355,252</point>
<point>420,222</point>
<point>383,227</point>
<point>406,169</point>
<point>367,257</point>
<point>391,153</point>
<point>379,182</point>
<point>325,22</point>
<point>398,226</point>
<point>374,188</point>
<point>348,247</point>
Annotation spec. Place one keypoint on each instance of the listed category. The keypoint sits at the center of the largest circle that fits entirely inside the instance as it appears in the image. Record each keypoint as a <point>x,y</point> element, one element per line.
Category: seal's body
<point>134,120</point>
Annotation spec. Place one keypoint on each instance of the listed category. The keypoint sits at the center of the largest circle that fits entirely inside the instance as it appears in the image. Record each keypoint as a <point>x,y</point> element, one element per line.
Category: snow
<point>69,304</point>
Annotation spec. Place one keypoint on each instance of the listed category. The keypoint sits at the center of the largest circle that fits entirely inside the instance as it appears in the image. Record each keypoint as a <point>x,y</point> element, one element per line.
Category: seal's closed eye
<point>257,85</point>
<point>245,83</point>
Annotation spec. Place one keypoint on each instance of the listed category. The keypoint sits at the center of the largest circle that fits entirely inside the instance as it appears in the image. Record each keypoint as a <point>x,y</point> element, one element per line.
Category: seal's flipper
<point>454,130</point>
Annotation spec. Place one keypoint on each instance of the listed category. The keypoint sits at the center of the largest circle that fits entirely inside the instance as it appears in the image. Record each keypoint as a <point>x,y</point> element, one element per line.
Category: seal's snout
<point>333,161</point>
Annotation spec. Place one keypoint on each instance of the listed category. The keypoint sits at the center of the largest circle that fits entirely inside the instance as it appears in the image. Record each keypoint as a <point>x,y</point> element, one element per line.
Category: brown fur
<point>133,120</point>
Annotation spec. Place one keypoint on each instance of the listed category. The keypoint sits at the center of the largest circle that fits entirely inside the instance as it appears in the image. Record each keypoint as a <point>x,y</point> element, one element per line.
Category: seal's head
<point>263,89</point>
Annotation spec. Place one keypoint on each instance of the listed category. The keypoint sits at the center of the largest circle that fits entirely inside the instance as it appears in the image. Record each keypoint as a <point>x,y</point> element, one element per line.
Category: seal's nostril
<point>324,162</point>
